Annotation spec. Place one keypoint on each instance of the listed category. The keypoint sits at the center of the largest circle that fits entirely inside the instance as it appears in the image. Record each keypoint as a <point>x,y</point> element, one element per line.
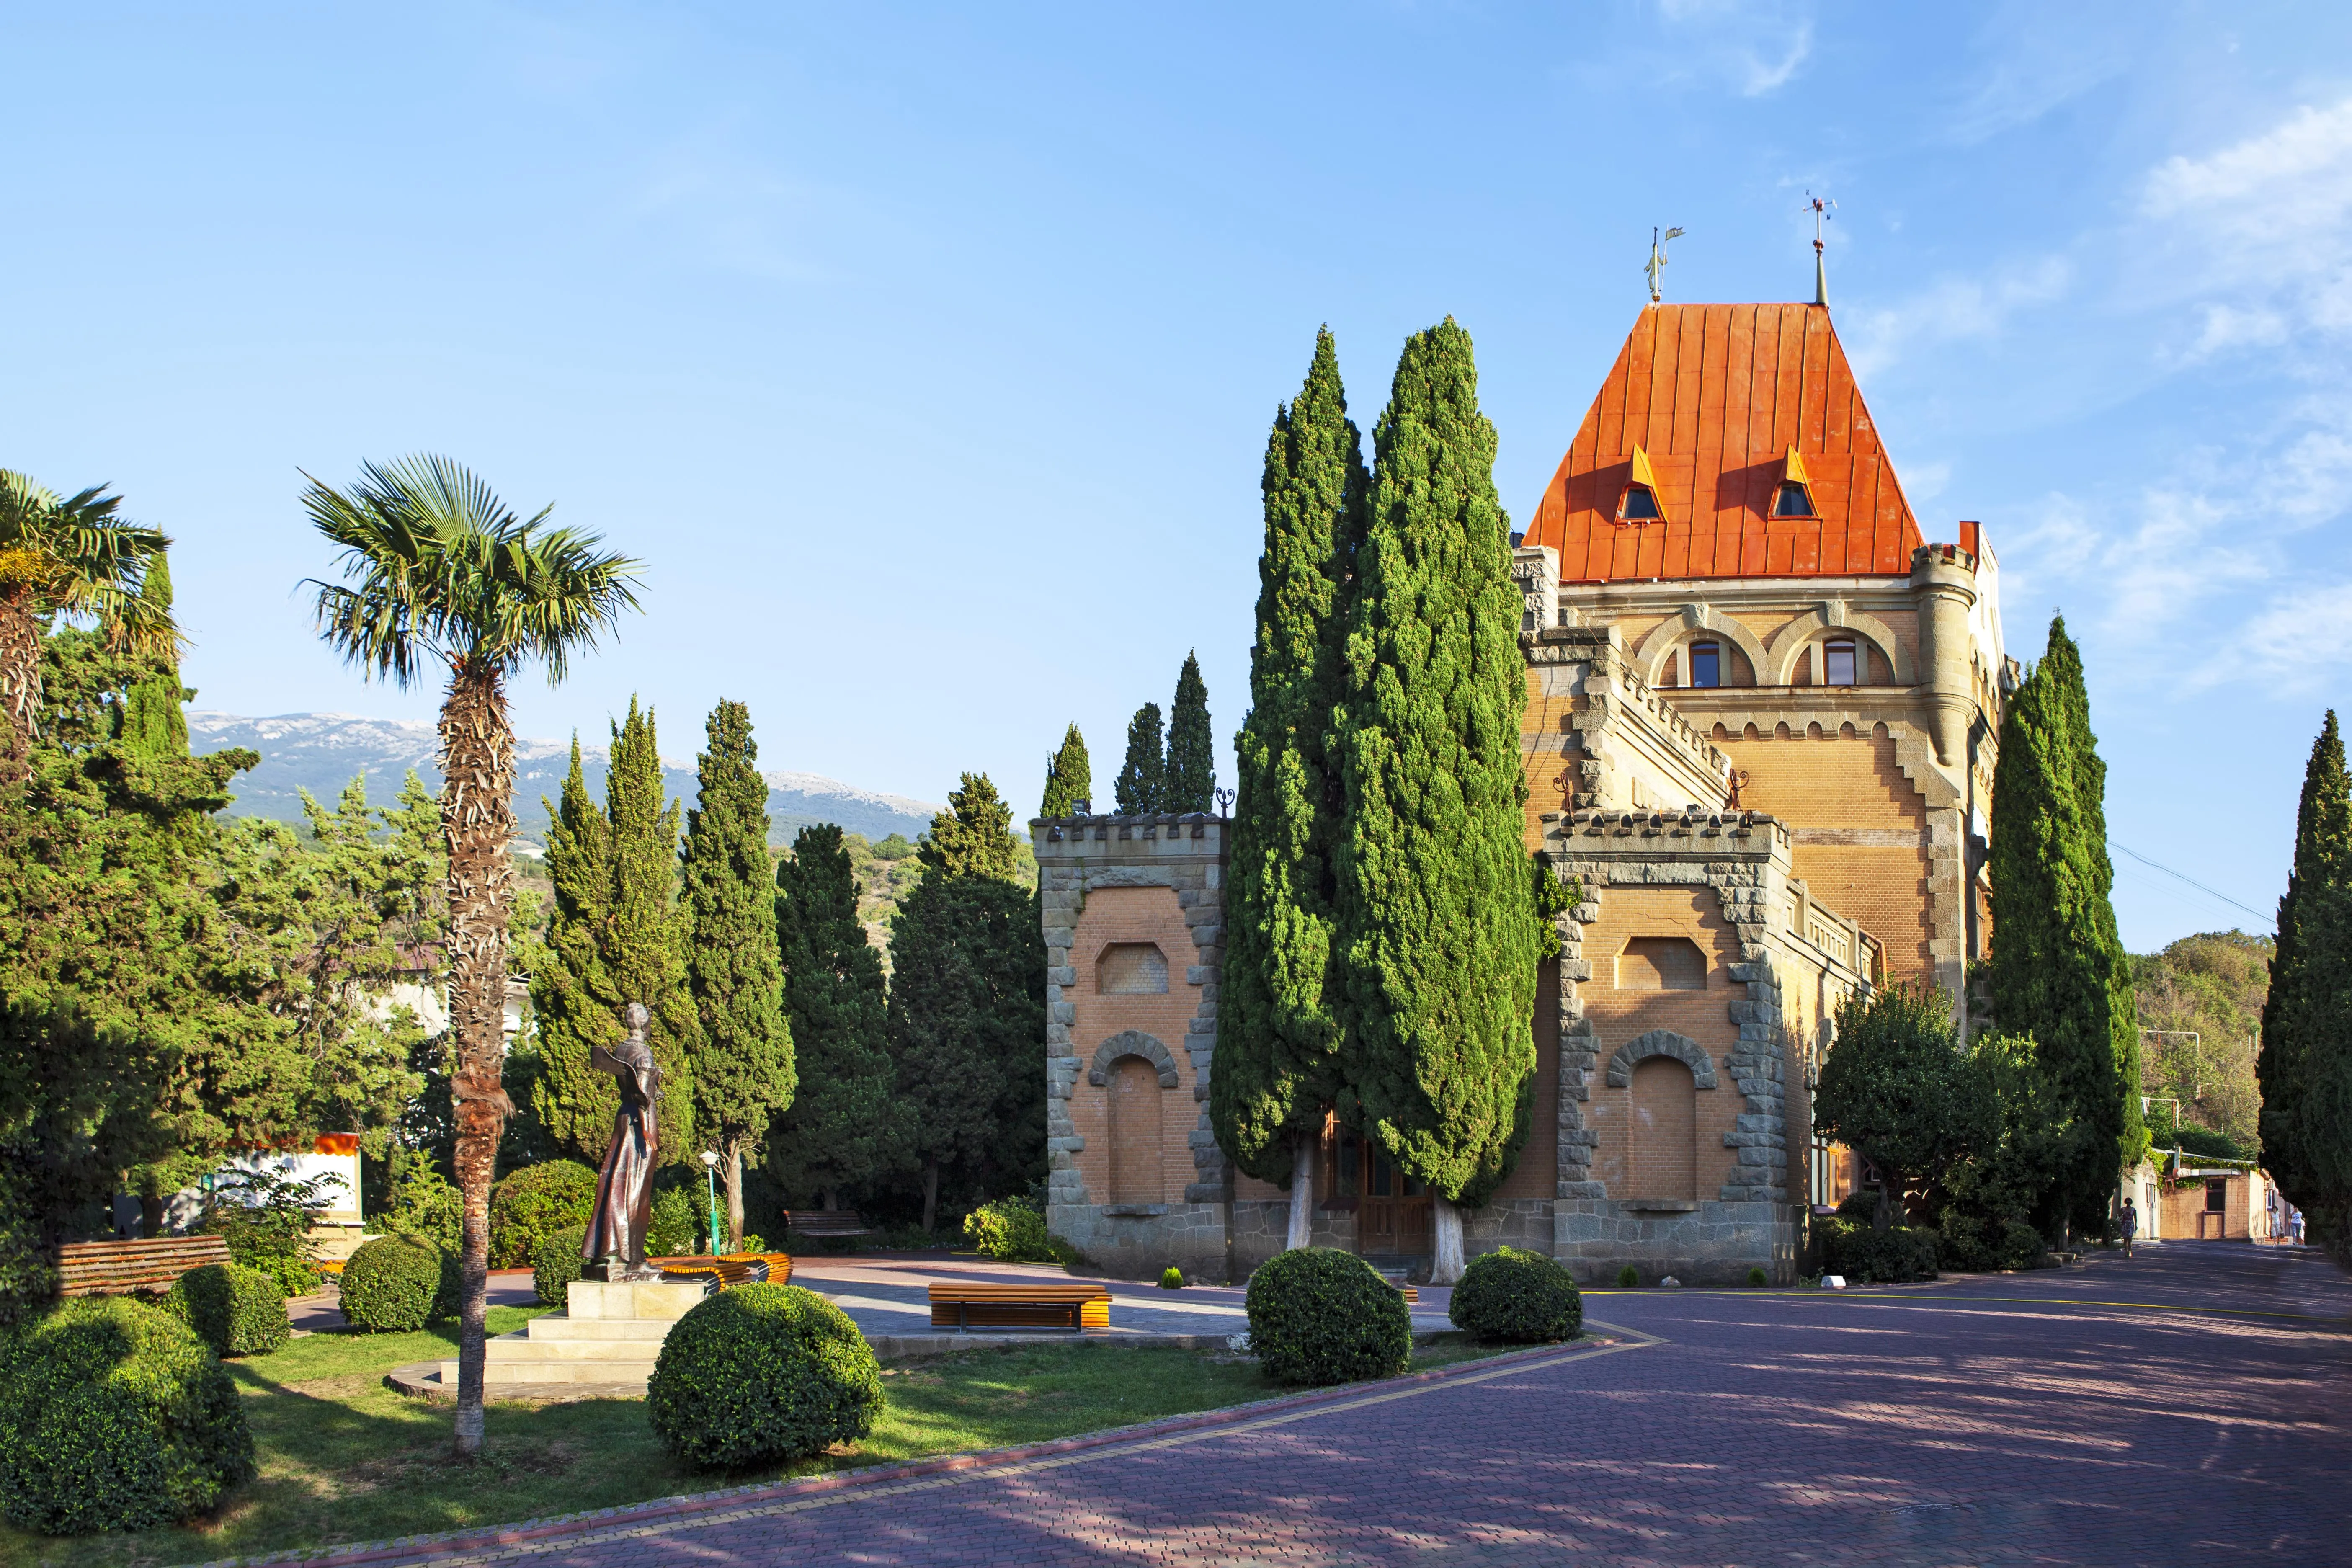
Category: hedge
<point>113,1415</point>
<point>557,1264</point>
<point>1966,1243</point>
<point>1853,1248</point>
<point>396,1283</point>
<point>762,1374</point>
<point>1510,1297</point>
<point>1319,1315</point>
<point>534,1203</point>
<point>235,1309</point>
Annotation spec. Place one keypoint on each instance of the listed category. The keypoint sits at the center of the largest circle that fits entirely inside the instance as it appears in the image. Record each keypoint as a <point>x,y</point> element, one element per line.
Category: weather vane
<point>1821,211</point>
<point>1658,259</point>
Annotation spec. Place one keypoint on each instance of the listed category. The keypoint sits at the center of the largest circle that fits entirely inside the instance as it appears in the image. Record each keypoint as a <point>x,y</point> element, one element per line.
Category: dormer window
<point>1838,662</point>
<point>1705,664</point>
<point>1796,495</point>
<point>1641,504</point>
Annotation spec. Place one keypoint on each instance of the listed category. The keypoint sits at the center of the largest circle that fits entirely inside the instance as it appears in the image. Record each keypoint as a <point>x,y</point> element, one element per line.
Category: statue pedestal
<point>607,1334</point>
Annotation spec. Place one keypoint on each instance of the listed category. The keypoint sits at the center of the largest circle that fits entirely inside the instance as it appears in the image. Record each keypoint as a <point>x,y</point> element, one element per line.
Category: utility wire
<point>2270,920</point>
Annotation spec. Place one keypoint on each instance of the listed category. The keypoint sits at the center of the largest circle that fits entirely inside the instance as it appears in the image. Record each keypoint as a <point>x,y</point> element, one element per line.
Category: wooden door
<point>1393,1215</point>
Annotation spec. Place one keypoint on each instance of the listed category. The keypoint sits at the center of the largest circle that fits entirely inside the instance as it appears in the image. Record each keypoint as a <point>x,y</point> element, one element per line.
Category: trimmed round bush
<point>761,1373</point>
<point>1628,1278</point>
<point>1514,1298</point>
<point>113,1415</point>
<point>557,1263</point>
<point>235,1309</point>
<point>534,1203</point>
<point>1319,1315</point>
<point>1172,1278</point>
<point>1758,1279</point>
<point>1854,1249</point>
<point>397,1283</point>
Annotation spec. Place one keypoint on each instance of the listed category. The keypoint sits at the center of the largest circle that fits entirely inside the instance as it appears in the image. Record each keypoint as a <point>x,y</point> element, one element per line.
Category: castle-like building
<point>1761,718</point>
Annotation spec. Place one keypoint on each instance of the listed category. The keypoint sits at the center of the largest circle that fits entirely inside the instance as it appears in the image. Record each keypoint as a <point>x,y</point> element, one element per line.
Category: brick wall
<point>1115,916</point>
<point>1537,1171</point>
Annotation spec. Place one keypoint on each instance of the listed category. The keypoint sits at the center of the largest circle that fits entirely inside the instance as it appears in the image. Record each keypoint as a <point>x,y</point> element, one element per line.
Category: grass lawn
<point>343,1458</point>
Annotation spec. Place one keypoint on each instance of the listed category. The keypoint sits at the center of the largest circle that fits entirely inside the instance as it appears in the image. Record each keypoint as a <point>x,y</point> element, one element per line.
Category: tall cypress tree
<point>2305,1062</point>
<point>1190,783</point>
<point>647,953</point>
<point>1436,922</point>
<point>2058,972</point>
<point>1069,777</point>
<point>842,1129</point>
<point>1142,779</point>
<point>154,723</point>
<point>1277,1040</point>
<point>743,1072</point>
<point>569,991</point>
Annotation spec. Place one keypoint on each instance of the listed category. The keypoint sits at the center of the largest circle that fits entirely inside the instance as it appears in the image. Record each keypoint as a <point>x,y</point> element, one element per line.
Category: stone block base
<point>1710,1242</point>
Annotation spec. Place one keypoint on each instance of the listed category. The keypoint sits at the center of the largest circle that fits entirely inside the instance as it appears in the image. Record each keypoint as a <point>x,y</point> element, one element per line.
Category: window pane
<point>1838,659</point>
<point>1705,664</point>
<point>1639,502</point>
<point>1793,501</point>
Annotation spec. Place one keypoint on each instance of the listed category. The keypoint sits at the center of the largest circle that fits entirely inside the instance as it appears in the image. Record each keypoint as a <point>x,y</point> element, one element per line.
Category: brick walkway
<point>2086,1416</point>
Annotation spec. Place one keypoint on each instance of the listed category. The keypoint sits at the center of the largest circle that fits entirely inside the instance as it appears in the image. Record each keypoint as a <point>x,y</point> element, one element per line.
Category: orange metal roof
<point>1718,395</point>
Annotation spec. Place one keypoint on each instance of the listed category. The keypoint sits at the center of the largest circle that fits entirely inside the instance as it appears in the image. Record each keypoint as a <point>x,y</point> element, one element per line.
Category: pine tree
<point>1069,778</point>
<point>842,1128</point>
<point>2057,971</point>
<point>1190,783</point>
<point>2305,1062</point>
<point>1435,920</point>
<point>967,1022</point>
<point>1278,1040</point>
<point>1142,779</point>
<point>743,1073</point>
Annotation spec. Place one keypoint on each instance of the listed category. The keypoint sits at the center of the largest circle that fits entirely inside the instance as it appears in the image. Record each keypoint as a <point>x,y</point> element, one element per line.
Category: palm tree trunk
<point>735,1197</point>
<point>477,818</point>
<point>20,683</point>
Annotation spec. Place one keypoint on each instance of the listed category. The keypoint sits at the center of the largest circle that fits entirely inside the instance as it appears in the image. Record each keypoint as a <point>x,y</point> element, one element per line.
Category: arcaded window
<point>1662,963</point>
<point>1838,662</point>
<point>1132,969</point>
<point>1705,664</point>
<point>1639,502</point>
<point>1135,1138</point>
<point>1665,1131</point>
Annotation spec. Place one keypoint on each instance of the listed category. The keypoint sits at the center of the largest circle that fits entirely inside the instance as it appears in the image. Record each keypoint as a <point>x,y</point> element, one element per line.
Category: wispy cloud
<point>1954,309</point>
<point>1756,48</point>
<point>2302,638</point>
<point>2035,57</point>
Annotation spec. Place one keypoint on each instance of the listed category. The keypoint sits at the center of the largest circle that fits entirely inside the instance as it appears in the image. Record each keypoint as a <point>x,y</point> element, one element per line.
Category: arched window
<point>1135,1134</point>
<point>1705,664</point>
<point>1794,500</point>
<point>1841,662</point>
<point>1664,1130</point>
<point>1640,504</point>
<point>1132,969</point>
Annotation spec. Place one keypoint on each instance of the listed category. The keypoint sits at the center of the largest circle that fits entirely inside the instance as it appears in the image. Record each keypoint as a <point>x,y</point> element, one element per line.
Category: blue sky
<point>926,355</point>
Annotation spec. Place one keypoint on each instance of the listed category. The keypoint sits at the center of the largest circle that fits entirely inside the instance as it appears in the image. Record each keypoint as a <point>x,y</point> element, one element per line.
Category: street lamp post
<point>710,1185</point>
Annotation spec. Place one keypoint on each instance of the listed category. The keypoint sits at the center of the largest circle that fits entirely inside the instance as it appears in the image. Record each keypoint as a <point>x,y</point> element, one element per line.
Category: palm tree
<point>66,557</point>
<point>437,570</point>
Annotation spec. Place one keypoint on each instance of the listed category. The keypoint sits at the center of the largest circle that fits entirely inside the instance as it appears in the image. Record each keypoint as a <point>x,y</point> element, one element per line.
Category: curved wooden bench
<point>1070,1308</point>
<point>116,1268</point>
<point>730,1268</point>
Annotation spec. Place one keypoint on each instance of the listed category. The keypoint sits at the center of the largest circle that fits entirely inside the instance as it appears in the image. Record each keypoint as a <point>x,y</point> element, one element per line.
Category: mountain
<point>322,751</point>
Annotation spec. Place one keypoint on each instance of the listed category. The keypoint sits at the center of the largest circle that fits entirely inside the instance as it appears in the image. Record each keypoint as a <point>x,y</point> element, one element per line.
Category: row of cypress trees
<point>1180,777</point>
<point>2305,1062</point>
<point>1381,930</point>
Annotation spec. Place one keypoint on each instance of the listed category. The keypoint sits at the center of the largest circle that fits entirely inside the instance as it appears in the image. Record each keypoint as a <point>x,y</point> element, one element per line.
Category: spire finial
<point>1821,211</point>
<point>1657,264</point>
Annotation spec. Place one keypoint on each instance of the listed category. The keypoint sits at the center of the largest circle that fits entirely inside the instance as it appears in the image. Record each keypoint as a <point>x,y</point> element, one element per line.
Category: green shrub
<point>674,1229</point>
<point>534,1203</point>
<point>1628,1278</point>
<point>265,1216</point>
<point>557,1263</point>
<point>1172,1278</point>
<point>760,1374</point>
<point>397,1283</point>
<point>1757,1278</point>
<point>1516,1298</point>
<point>1011,1230</point>
<point>752,1243</point>
<point>235,1309</point>
<point>113,1415</point>
<point>1974,1243</point>
<point>1319,1315</point>
<point>1860,1203</point>
<point>425,1203</point>
<point>1853,1248</point>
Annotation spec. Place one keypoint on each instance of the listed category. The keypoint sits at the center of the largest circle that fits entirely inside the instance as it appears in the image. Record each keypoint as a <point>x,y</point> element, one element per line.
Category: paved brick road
<point>2013,1419</point>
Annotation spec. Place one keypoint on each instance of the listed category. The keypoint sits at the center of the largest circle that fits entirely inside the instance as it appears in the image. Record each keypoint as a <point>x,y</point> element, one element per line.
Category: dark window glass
<point>2217,1196</point>
<point>1705,664</point>
<point>1639,502</point>
<point>1792,500</point>
<point>1383,1175</point>
<point>1837,662</point>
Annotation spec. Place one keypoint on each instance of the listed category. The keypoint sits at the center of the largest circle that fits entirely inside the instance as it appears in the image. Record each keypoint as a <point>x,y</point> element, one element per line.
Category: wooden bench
<point>967,1306</point>
<point>826,1224</point>
<point>731,1269</point>
<point>116,1268</point>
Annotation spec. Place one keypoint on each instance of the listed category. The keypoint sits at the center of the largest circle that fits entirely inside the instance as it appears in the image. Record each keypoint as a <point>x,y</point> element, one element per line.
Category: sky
<point>925,355</point>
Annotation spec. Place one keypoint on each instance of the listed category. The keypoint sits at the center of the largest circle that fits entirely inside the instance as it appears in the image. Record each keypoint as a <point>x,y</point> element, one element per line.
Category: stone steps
<point>607,1334</point>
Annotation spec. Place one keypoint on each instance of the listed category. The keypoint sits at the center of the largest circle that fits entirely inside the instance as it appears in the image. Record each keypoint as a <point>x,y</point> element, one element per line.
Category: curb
<point>427,1548</point>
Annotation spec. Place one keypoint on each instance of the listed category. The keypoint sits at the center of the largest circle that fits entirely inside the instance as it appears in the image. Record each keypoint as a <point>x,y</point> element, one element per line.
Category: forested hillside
<point>2201,1001</point>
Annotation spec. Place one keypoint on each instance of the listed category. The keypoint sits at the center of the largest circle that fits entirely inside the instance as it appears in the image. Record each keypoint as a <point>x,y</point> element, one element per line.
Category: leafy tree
<point>1143,778</point>
<point>438,572</point>
<point>73,557</point>
<point>967,1018</point>
<point>1899,1091</point>
<point>743,1074</point>
<point>2201,1000</point>
<point>1190,783</point>
<point>842,1126</point>
<point>1278,1039</point>
<point>2306,1064</point>
<point>1069,777</point>
<point>2058,972</point>
<point>1435,924</point>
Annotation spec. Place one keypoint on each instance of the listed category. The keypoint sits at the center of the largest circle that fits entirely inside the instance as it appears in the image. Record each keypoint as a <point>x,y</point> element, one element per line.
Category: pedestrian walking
<point>2131,1225</point>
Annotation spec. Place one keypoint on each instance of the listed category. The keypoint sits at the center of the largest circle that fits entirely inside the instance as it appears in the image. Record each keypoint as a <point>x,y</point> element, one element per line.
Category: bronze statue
<point>624,1188</point>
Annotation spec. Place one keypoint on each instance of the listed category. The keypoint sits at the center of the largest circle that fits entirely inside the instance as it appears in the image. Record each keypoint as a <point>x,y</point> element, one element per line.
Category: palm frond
<point>79,557</point>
